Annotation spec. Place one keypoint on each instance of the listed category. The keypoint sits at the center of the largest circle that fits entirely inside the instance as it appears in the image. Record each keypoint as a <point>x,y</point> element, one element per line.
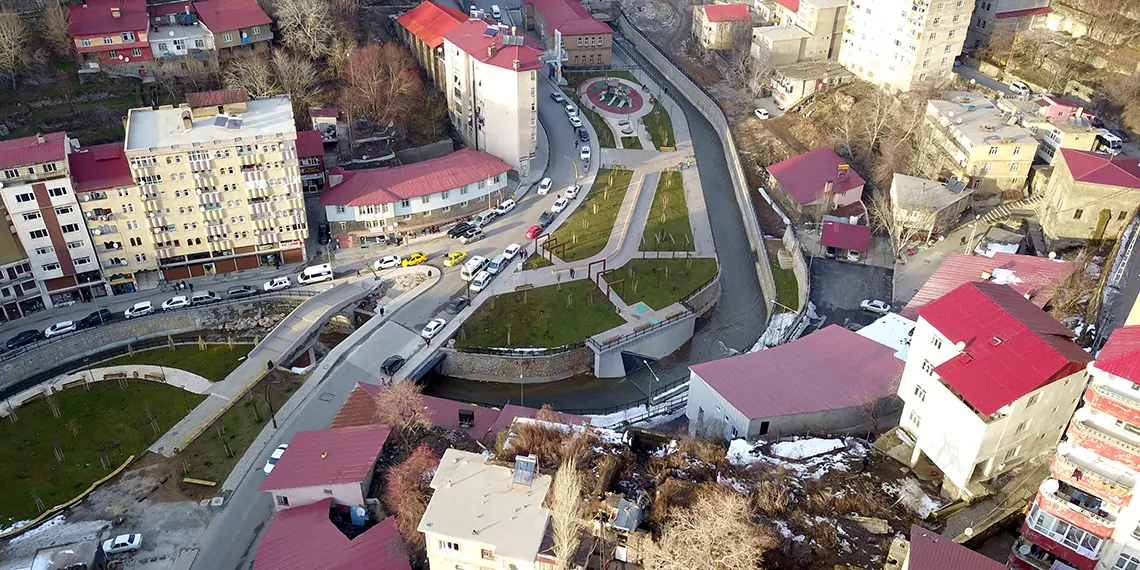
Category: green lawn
<point>668,217</point>
<point>662,282</point>
<point>632,143</point>
<point>90,423</point>
<point>213,364</point>
<point>576,313</point>
<point>536,261</point>
<point>587,230</point>
<point>660,127</point>
<point>787,289</point>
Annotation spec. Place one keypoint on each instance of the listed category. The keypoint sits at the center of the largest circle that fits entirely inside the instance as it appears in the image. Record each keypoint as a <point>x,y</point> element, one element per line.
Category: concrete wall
<point>857,421</point>
<point>507,368</point>
<point>710,414</point>
<point>799,266</point>
<point>653,345</point>
<point>704,299</point>
<point>351,494</point>
<point>713,113</point>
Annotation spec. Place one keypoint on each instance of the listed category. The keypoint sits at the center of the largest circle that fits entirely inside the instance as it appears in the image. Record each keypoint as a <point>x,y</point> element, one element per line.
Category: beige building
<point>721,26</point>
<point>219,183</point>
<point>927,206</point>
<point>422,29</point>
<point>1091,196</point>
<point>1052,132</point>
<point>813,31</point>
<point>985,147</point>
<point>586,41</point>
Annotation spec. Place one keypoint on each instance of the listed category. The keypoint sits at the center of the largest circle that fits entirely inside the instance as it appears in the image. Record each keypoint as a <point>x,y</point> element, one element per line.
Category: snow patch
<point>742,453</point>
<point>909,492</point>
<point>805,448</point>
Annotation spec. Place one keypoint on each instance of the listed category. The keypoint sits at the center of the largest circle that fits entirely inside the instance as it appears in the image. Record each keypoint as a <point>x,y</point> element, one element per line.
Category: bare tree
<point>401,406</point>
<point>306,26</point>
<point>383,82</point>
<point>297,76</point>
<point>339,52</point>
<point>252,73</point>
<point>715,533</point>
<point>16,53</point>
<point>1073,294</point>
<point>902,228</point>
<point>57,24</point>
<point>407,491</point>
<point>566,512</point>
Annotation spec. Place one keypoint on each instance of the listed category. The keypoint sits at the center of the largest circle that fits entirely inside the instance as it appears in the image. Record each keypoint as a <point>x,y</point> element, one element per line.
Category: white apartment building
<point>902,44</point>
<point>47,219</point>
<point>492,85</point>
<point>990,382</point>
<point>486,516</point>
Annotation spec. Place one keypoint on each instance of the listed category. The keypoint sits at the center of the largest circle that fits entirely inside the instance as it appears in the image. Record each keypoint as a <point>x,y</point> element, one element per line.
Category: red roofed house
<point>311,156</point>
<point>1090,196</point>
<point>492,89</point>
<point>112,34</point>
<point>990,381</point>
<point>239,26</point>
<point>816,180</point>
<point>304,538</point>
<point>1083,516</point>
<point>422,29</point>
<point>588,42</point>
<point>830,381</point>
<point>324,463</point>
<point>364,205</point>
<point>928,550</point>
<point>722,26</point>
<point>1032,277</point>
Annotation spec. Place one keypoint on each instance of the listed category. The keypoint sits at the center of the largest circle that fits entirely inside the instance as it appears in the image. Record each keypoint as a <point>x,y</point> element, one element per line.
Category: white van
<point>497,264</point>
<point>315,274</point>
<point>496,12</point>
<point>482,279</point>
<point>472,267</point>
<point>1108,142</point>
<point>484,218</point>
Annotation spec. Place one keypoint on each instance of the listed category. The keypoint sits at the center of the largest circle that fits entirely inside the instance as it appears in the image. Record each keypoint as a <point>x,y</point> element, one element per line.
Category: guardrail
<point>520,351</point>
<point>596,411</point>
<point>701,289</point>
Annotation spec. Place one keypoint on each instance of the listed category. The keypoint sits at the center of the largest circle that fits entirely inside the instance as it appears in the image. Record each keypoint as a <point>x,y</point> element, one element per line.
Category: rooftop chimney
<point>187,121</point>
<point>40,138</point>
<point>516,64</point>
<point>490,50</point>
<point>116,13</point>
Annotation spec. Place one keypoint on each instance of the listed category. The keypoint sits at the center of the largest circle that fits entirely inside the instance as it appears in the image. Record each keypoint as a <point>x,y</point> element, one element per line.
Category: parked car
<point>454,258</point>
<point>575,122</point>
<point>24,339</point>
<point>433,327</point>
<point>241,292</point>
<point>852,255</point>
<point>571,192</point>
<point>97,318</point>
<point>274,458</point>
<point>1020,88</point>
<point>472,235</point>
<point>60,328</point>
<point>122,543</point>
<point>496,12</point>
<point>392,364</point>
<point>571,111</point>
<point>483,218</point>
<point>829,252</point>
<point>762,114</point>
<point>323,233</point>
<point>533,232</point>
<point>505,207</point>
<point>558,98</point>
<point>480,282</point>
<point>139,310</point>
<point>559,205</point>
<point>176,302</point>
<point>544,186</point>
<point>277,283</point>
<point>584,154</point>
<point>511,251</point>
<point>458,230</point>
<point>415,258</point>
<point>204,298</point>
<point>458,304</point>
<point>386,262</point>
<point>545,219</point>
<point>584,135</point>
<point>875,306</point>
<point>497,264</point>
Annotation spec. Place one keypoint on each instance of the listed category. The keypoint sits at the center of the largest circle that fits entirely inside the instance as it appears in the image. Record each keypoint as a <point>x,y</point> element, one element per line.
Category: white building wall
<point>345,494</point>
<point>447,198</point>
<point>705,407</point>
<point>467,554</point>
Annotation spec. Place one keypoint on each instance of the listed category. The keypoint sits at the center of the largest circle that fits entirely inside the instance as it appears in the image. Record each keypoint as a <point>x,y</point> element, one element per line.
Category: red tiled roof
<point>793,5</point>
<point>430,21</point>
<point>100,167</point>
<point>168,9</point>
<point>224,15</point>
<point>328,457</point>
<point>310,144</point>
<point>1097,168</point>
<point>1036,276</point>
<point>932,551</point>
<point>475,37</point>
<point>215,98</point>
<point>28,150</point>
<point>846,236</point>
<point>830,369</point>
<point>727,13</point>
<point>804,176</point>
<point>304,538</point>
<point>94,18</point>
<point>388,185</point>
<point>1121,354</point>
<point>359,409</point>
<point>569,17</point>
<point>1012,346</point>
<point>324,113</point>
<point>1024,13</point>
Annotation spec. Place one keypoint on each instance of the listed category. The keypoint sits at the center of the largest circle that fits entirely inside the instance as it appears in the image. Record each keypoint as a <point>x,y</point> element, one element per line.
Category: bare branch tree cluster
<point>407,491</point>
<point>56,21</point>
<point>16,49</point>
<point>401,406</point>
<point>900,227</point>
<point>252,73</point>
<point>306,26</point>
<point>566,512</point>
<point>716,532</point>
<point>383,83</point>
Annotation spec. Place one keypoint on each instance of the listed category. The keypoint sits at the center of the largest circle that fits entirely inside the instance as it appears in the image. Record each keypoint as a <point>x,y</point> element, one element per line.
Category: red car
<point>533,232</point>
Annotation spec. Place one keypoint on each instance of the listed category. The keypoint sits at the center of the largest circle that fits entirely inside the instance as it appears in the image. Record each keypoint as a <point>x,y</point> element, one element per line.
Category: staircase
<point>1022,207</point>
<point>784,259</point>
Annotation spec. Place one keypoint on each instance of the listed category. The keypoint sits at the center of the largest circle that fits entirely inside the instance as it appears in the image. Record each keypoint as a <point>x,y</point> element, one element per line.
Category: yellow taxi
<point>454,258</point>
<point>413,259</point>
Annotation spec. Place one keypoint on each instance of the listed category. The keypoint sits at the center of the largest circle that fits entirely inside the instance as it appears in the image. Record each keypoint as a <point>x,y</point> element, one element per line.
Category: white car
<point>762,114</point>
<point>60,328</point>
<point>511,251</point>
<point>122,543</point>
<point>386,262</point>
<point>480,282</point>
<point>505,207</point>
<point>875,306</point>
<point>274,458</point>
<point>585,154</point>
<point>559,205</point>
<point>544,186</point>
<point>558,98</point>
<point>575,122</point>
<point>277,283</point>
<point>1020,88</point>
<point>138,310</point>
<point>571,111</point>
<point>178,302</point>
<point>433,327</point>
<point>571,192</point>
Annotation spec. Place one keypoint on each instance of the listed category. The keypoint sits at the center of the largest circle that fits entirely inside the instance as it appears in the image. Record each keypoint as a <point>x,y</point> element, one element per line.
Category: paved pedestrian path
<point>173,376</point>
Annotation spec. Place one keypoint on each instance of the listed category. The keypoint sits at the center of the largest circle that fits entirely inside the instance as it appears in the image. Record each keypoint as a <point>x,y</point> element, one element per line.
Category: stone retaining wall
<point>705,298</point>
<point>500,368</point>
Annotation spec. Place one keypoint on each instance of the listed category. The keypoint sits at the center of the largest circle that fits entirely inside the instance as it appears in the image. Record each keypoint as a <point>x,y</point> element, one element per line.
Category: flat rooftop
<point>782,33</point>
<point>813,70</point>
<point>171,32</point>
<point>148,128</point>
<point>978,120</point>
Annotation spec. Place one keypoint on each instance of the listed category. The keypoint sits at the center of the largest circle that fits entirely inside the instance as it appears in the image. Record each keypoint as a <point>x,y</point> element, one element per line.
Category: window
<point>68,228</point>
<point>993,150</point>
<point>227,38</point>
<point>108,40</point>
<point>27,197</point>
<point>448,545</point>
<point>1012,453</point>
<point>113,54</point>
<point>1123,214</point>
<point>1033,400</point>
<point>489,555</point>
<point>136,52</point>
<point>447,193</point>
<point>937,342</point>
<point>1015,167</point>
<point>162,47</point>
<point>406,203</point>
<point>44,250</point>
<point>927,367</point>
<point>340,209</point>
<point>951,34</point>
<point>50,167</point>
<point>426,199</point>
<point>282,501</point>
<point>38,234</point>
<point>82,261</point>
<point>57,192</point>
<point>128,37</point>
<point>31,216</point>
<point>918,391</point>
<point>50,267</point>
<point>85,43</point>
<point>1023,426</point>
<point>255,30</point>
<point>1077,214</point>
<point>328,492</point>
<point>914,418</point>
<point>64,210</point>
<point>1126,562</point>
<point>986,168</point>
<point>201,44</point>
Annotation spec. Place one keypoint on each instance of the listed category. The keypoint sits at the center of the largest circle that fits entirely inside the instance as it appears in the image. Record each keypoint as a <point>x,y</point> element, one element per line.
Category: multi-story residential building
<point>483,515</point>
<point>984,147</point>
<point>990,381</point>
<point>367,206</point>
<point>1055,122</point>
<point>492,88</point>
<point>179,41</point>
<point>422,29</point>
<point>219,183</point>
<point>311,157</point>
<point>586,41</point>
<point>112,35</point>
<point>722,26</point>
<point>927,206</point>
<point>1008,16</point>
<point>239,26</point>
<point>45,213</point>
<point>19,294</point>
<point>1083,516</point>
<point>116,220</point>
<point>903,44</point>
<point>806,30</point>
<point>1090,196</point>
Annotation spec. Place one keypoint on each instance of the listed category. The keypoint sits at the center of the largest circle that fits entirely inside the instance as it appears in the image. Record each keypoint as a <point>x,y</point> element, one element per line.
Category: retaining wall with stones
<point>704,299</point>
<point>534,369</point>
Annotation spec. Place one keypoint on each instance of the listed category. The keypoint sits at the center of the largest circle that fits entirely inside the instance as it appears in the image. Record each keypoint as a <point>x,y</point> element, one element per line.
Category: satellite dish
<point>360,511</point>
<point>171,32</point>
<point>1023,549</point>
<point>1050,486</point>
<point>969,531</point>
<point>960,346</point>
<point>97,231</point>
<point>1064,448</point>
<point>1052,255</point>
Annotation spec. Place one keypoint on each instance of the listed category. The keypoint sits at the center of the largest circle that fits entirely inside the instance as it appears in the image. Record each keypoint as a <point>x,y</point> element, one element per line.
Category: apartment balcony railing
<point>1105,444</point>
<point>1075,514</point>
<point>1115,491</point>
<point>92,196</point>
<point>1023,551</point>
<point>1121,406</point>
<point>116,262</point>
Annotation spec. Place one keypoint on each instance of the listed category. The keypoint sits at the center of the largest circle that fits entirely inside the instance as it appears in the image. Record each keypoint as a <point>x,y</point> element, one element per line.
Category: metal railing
<point>606,344</point>
<point>595,411</point>
<point>522,352</point>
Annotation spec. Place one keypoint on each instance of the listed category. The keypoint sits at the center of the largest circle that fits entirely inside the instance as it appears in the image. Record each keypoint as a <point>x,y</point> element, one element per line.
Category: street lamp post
<point>973,230</point>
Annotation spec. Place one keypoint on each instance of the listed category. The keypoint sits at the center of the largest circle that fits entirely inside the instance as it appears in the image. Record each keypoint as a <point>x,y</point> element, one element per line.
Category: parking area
<point>838,287</point>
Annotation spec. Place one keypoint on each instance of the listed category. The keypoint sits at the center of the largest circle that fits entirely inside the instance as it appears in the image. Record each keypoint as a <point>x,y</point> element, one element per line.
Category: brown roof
<point>215,98</point>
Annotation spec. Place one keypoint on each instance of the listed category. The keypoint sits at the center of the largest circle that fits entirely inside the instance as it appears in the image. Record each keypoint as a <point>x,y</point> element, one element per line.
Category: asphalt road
<point>983,80</point>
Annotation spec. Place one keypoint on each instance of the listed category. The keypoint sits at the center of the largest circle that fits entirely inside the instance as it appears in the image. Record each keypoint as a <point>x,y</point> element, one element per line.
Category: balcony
<point>1108,444</point>
<point>92,196</point>
<point>1105,398</point>
<point>1076,508</point>
<point>1028,556</point>
<point>110,246</point>
<point>1093,478</point>
<point>114,262</point>
<point>105,229</point>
